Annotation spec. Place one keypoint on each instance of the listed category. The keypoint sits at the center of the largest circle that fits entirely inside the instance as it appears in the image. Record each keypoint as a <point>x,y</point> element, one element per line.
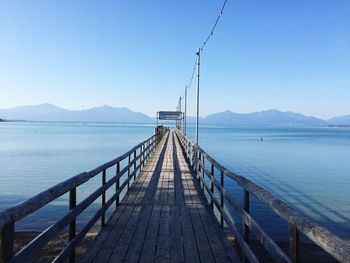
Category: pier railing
<point>135,158</point>
<point>298,224</point>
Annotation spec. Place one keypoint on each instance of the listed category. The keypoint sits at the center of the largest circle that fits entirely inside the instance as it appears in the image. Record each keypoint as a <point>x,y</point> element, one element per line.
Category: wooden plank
<point>230,252</point>
<point>163,242</point>
<point>134,189</point>
<point>108,246</point>
<point>150,243</point>
<point>153,190</point>
<point>134,251</point>
<point>212,235</point>
<point>190,246</point>
<point>122,245</point>
<point>176,247</point>
<point>191,191</point>
<point>100,239</point>
<point>202,241</point>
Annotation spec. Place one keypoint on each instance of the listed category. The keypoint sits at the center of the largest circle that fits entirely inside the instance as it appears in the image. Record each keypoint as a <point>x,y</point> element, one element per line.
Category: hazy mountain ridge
<point>269,117</point>
<point>341,120</point>
<point>49,112</point>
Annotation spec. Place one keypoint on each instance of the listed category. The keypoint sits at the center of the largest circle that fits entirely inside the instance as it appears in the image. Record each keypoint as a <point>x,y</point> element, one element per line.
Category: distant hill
<point>342,120</point>
<point>49,112</point>
<point>263,118</point>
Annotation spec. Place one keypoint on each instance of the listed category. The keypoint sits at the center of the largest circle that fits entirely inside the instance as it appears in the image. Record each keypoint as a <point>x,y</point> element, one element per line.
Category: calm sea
<point>309,168</point>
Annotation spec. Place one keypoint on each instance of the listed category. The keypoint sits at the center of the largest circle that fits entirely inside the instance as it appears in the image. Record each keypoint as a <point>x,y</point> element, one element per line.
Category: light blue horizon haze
<point>288,55</point>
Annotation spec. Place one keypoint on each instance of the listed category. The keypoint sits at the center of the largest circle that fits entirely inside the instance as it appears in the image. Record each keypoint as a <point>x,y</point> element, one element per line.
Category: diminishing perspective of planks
<point>163,217</point>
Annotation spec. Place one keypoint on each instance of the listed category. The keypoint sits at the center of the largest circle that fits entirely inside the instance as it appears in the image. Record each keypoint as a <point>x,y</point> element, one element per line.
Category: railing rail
<point>298,223</point>
<point>137,157</point>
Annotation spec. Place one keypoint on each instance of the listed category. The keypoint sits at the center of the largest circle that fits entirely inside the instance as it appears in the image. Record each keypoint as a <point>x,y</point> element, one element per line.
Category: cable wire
<point>215,24</point>
<point>206,41</point>
<point>193,71</point>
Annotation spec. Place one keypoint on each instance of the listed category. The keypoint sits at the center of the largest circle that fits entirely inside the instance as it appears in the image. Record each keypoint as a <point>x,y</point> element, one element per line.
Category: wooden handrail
<point>10,216</point>
<point>332,244</point>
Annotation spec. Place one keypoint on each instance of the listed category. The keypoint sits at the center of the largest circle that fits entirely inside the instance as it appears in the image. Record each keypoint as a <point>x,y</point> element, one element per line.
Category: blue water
<point>309,168</point>
<point>37,155</point>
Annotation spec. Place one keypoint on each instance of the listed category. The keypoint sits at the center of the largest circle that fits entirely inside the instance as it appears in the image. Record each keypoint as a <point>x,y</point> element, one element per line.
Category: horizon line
<point>120,107</point>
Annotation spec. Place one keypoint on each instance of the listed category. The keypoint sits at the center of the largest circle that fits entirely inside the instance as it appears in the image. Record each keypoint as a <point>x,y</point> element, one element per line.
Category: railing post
<point>245,226</point>
<point>198,164</point>
<point>7,242</point>
<point>72,225</point>
<point>148,150</point>
<point>188,149</point>
<point>293,243</point>
<point>117,185</point>
<point>222,200</point>
<point>135,165</point>
<point>202,171</point>
<point>142,156</point>
<point>129,171</point>
<point>103,216</point>
<point>195,160</point>
<point>212,185</point>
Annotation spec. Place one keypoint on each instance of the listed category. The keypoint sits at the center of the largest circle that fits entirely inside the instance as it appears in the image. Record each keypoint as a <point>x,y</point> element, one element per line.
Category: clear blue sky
<point>283,54</point>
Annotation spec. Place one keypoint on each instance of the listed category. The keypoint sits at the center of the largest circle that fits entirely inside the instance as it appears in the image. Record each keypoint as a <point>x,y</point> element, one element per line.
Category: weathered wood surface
<point>163,217</point>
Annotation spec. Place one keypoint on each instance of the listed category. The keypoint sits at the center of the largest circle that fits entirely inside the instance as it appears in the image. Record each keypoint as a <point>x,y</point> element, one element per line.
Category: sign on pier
<point>170,115</point>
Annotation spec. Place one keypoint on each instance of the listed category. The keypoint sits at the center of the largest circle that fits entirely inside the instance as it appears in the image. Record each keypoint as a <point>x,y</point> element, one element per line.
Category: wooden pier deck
<point>163,217</point>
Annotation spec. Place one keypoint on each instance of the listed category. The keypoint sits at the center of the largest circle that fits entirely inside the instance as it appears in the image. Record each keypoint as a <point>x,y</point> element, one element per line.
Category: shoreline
<point>54,247</point>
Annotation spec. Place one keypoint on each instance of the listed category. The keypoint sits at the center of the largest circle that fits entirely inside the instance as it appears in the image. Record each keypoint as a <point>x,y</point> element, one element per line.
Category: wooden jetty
<point>163,217</point>
<point>175,209</point>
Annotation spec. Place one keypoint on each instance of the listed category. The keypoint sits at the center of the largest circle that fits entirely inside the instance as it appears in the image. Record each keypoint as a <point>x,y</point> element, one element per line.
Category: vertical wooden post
<point>7,242</point>
<point>197,160</point>
<point>128,171</point>
<point>222,200</point>
<point>72,225</point>
<point>135,165</point>
<point>117,185</point>
<point>212,185</point>
<point>103,216</point>
<point>192,157</point>
<point>245,227</point>
<point>188,150</point>
<point>202,171</point>
<point>143,155</point>
<point>293,243</point>
<point>147,151</point>
<point>198,165</point>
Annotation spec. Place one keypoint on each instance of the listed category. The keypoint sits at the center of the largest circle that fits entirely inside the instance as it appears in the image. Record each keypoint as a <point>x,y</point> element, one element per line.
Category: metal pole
<point>177,121</point>
<point>185,117</point>
<point>198,71</point>
<point>180,111</point>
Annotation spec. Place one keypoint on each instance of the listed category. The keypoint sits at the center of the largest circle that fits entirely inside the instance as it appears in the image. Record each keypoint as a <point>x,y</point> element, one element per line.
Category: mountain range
<point>342,120</point>
<point>49,112</point>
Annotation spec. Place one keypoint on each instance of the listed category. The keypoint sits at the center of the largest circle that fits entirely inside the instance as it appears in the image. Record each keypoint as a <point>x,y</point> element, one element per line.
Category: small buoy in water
<point>261,139</point>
